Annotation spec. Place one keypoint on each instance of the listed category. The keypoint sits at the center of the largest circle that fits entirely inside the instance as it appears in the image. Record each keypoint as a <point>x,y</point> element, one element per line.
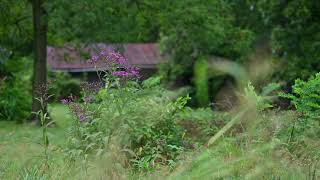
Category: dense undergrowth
<point>130,130</point>
<point>148,141</point>
<point>156,137</point>
<point>123,128</point>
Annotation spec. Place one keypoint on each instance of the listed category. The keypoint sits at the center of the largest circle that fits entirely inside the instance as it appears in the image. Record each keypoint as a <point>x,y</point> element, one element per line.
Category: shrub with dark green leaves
<point>62,86</point>
<point>306,100</point>
<point>15,102</point>
<point>306,97</point>
<point>15,85</point>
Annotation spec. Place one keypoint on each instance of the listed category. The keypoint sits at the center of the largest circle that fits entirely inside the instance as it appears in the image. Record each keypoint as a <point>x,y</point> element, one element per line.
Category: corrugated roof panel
<point>71,58</point>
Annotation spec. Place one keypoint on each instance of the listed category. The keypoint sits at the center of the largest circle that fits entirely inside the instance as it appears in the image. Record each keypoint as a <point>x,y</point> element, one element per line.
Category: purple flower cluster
<point>115,60</point>
<point>127,73</point>
<point>75,108</point>
<point>94,59</point>
<point>65,101</point>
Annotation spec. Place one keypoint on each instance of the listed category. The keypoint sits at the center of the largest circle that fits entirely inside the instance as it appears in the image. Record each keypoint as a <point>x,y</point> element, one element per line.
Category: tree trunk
<point>40,25</point>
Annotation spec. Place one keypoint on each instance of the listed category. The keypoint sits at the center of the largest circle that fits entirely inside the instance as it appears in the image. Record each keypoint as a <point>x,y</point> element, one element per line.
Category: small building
<point>73,58</point>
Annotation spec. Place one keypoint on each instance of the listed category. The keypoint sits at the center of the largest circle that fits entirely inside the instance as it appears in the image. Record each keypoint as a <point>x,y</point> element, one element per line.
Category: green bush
<point>62,86</point>
<point>141,120</point>
<point>306,100</point>
<point>15,85</point>
<point>15,102</point>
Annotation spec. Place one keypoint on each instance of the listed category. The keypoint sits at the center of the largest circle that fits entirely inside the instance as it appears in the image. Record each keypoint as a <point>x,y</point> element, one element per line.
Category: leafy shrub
<point>156,140</point>
<point>14,103</point>
<point>141,120</point>
<point>15,97</point>
<point>306,100</point>
<point>138,118</point>
<point>262,100</point>
<point>62,85</point>
<point>170,72</point>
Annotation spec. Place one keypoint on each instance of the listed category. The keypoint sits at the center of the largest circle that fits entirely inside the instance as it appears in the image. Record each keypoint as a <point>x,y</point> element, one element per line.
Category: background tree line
<point>188,30</point>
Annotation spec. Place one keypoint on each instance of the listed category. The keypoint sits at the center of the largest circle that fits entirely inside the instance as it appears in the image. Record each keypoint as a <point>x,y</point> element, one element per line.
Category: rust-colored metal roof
<point>73,58</point>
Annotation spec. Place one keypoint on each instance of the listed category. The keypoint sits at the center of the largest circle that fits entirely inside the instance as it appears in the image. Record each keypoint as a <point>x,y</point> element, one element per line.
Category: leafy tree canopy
<point>295,28</point>
<point>193,28</point>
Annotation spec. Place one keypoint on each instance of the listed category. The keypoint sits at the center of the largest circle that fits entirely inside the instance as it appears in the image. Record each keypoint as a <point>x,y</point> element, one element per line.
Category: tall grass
<point>252,143</point>
<point>260,148</point>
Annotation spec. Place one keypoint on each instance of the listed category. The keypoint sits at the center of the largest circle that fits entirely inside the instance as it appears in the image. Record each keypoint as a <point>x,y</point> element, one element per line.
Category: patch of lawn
<point>20,143</point>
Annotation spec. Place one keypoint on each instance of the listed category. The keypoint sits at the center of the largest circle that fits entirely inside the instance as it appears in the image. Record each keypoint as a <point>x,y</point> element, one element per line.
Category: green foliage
<point>159,142</point>
<point>139,119</point>
<point>31,174</point>
<point>295,36</point>
<point>170,72</point>
<point>256,149</point>
<point>201,82</point>
<point>16,25</point>
<point>129,129</point>
<point>203,28</point>
<point>248,16</point>
<point>261,102</point>
<point>102,21</point>
<point>13,107</point>
<point>62,86</point>
<point>15,104</point>
<point>45,123</point>
<point>83,139</point>
<point>151,82</point>
<point>202,123</point>
<point>306,98</point>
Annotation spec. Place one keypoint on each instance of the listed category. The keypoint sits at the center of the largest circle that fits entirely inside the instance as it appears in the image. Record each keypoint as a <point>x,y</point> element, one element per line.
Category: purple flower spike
<point>120,74</point>
<point>65,101</point>
<point>115,60</point>
<point>93,59</point>
<point>82,117</point>
<point>122,61</point>
<point>135,72</point>
<point>103,53</point>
